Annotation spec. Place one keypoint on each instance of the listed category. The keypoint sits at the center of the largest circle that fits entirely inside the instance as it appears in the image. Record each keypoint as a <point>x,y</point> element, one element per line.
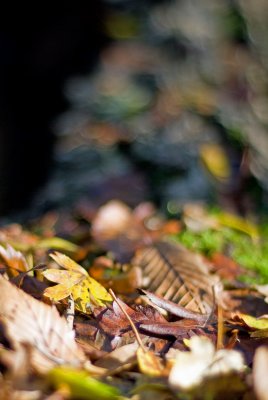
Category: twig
<point>220,344</point>
<point>70,312</point>
<point>211,314</point>
<point>130,321</point>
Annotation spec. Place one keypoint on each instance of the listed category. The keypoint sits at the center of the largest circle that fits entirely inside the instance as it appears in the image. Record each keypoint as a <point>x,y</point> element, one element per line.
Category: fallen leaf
<point>80,385</point>
<point>254,323</point>
<point>240,224</point>
<point>56,243</point>
<point>203,361</point>
<point>225,267</point>
<point>29,322</point>
<point>76,281</point>
<point>216,161</point>
<point>15,260</point>
<point>175,309</point>
<point>178,275</point>
<point>179,329</point>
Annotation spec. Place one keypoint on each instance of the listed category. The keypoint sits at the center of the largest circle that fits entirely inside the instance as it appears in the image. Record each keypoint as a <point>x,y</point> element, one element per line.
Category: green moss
<point>234,244</point>
<point>206,242</point>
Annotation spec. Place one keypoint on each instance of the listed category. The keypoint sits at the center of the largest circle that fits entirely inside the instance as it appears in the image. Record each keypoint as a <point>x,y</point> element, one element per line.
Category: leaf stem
<point>130,321</point>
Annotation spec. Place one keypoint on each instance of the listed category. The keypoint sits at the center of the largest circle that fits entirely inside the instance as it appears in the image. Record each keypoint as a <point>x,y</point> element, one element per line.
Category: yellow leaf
<point>240,224</point>
<point>216,161</point>
<point>62,276</point>
<point>58,292</point>
<point>67,263</point>
<point>76,281</point>
<point>254,323</point>
<point>56,243</point>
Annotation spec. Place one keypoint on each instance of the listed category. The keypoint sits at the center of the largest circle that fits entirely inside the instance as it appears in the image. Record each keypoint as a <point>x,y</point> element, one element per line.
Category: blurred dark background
<point>41,44</point>
<point>139,100</point>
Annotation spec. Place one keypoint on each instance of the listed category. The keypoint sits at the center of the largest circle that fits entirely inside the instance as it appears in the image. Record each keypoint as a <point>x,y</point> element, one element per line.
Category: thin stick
<point>70,313</point>
<point>220,336</point>
<point>130,321</point>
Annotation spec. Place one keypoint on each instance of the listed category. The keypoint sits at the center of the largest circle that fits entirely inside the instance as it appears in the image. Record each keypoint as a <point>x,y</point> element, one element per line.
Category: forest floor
<point>141,270</point>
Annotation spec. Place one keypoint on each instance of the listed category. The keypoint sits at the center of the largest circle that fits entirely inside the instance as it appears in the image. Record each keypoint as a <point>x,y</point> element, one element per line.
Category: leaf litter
<point>180,328</point>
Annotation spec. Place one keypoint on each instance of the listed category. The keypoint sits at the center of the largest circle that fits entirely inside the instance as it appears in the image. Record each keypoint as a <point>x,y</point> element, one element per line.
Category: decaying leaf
<point>178,275</point>
<point>39,327</point>
<point>76,281</point>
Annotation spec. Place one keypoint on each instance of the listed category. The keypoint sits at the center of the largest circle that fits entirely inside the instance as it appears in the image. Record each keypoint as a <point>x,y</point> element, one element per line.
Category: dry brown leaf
<point>178,275</point>
<point>175,309</point>
<point>31,323</point>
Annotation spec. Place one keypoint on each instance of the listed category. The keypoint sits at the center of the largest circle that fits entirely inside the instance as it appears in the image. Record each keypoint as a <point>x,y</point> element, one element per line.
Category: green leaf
<point>81,385</point>
<point>57,243</point>
<point>254,323</point>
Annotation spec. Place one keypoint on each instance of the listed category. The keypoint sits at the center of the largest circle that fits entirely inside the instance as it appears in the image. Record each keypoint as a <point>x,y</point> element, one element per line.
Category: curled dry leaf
<point>175,309</point>
<point>39,327</point>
